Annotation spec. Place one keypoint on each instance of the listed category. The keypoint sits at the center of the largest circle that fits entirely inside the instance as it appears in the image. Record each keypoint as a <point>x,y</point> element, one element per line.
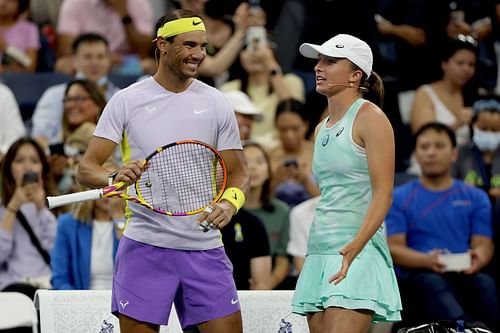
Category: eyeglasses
<point>467,39</point>
<point>75,99</point>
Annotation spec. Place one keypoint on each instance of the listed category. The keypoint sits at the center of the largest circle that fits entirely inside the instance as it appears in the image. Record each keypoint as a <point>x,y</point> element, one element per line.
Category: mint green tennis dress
<point>341,169</point>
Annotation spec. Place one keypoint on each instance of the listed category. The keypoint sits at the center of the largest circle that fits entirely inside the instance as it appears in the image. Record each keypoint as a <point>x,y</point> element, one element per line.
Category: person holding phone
<point>27,227</point>
<point>293,181</point>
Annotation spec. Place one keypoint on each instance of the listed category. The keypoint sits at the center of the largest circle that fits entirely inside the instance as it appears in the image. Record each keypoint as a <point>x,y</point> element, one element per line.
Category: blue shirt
<point>439,219</point>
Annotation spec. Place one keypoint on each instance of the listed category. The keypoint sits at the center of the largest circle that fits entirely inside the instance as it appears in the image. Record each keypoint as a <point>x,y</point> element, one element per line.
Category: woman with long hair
<point>27,227</point>
<point>272,212</point>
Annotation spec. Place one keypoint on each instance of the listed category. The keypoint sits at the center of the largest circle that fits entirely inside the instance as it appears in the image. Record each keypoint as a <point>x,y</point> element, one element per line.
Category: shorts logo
<point>234,301</point>
<point>123,304</point>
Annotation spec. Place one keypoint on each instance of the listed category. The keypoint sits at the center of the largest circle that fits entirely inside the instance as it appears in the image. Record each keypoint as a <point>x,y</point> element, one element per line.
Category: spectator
<point>474,18</point>
<point>445,100</point>
<point>27,227</point>
<point>247,247</point>
<point>272,212</point>
<point>92,62</point>
<point>19,38</point>
<point>83,102</point>
<point>225,37</point>
<point>11,122</point>
<point>301,218</point>
<point>415,27</point>
<point>479,162</point>
<point>126,24</point>
<point>263,80</point>
<point>434,215</point>
<point>246,112</point>
<point>86,244</point>
<point>291,159</point>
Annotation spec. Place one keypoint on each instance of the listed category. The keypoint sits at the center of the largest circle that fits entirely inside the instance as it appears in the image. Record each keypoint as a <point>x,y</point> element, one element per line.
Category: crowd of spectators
<point>438,60</point>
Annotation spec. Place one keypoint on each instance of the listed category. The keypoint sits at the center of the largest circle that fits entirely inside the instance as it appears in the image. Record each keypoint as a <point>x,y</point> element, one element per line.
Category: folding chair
<point>18,310</point>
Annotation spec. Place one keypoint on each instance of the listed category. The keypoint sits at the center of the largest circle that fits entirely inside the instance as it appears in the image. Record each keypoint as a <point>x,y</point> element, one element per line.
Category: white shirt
<point>101,256</point>
<point>11,122</point>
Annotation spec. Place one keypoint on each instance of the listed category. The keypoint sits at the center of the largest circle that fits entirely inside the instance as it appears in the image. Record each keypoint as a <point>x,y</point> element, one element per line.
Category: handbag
<point>445,327</point>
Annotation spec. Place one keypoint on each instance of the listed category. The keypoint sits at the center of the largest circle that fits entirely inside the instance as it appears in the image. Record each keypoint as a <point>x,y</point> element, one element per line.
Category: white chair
<point>17,310</point>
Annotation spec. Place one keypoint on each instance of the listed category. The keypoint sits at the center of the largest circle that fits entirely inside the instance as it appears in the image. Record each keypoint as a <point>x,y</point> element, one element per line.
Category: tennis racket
<point>182,178</point>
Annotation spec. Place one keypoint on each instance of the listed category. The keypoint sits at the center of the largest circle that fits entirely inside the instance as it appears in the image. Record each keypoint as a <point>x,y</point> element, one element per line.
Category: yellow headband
<point>180,26</point>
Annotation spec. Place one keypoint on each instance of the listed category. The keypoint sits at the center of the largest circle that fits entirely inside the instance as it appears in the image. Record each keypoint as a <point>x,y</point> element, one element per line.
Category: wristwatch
<point>111,177</point>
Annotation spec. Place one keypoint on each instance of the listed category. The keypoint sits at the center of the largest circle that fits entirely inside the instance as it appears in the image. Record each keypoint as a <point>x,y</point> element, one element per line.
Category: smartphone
<point>254,3</point>
<point>291,162</point>
<point>256,37</point>
<point>30,177</point>
<point>57,149</point>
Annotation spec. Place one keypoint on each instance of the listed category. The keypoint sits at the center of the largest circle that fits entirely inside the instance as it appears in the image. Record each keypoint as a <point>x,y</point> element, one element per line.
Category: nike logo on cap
<point>196,23</point>
<point>339,46</point>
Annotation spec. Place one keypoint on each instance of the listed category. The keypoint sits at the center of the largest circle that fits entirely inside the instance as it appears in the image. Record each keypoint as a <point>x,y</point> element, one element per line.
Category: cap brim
<point>310,50</point>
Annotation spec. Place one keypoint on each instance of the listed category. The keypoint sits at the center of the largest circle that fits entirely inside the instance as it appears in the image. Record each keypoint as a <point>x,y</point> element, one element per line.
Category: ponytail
<point>375,87</point>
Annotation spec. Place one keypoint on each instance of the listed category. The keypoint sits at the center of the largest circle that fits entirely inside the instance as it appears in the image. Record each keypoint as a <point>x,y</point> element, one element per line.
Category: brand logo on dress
<point>234,301</point>
<point>195,23</point>
<point>123,304</point>
<point>339,132</point>
<point>324,142</point>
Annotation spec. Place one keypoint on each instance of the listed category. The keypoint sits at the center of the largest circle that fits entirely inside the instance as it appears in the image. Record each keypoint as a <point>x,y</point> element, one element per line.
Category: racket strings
<point>182,178</point>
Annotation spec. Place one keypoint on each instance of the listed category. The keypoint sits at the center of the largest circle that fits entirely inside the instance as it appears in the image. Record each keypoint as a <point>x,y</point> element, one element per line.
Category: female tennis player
<point>348,278</point>
<point>162,259</point>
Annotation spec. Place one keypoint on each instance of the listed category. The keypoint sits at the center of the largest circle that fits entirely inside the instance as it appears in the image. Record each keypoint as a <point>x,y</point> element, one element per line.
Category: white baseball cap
<point>242,104</point>
<point>342,46</point>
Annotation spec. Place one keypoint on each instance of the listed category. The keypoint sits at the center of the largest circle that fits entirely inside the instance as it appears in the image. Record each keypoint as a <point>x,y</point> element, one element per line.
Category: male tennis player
<point>163,260</point>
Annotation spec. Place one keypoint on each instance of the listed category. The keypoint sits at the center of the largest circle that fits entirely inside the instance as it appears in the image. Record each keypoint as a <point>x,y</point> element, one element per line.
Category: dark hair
<point>453,45</point>
<point>265,196</point>
<point>88,38</point>
<point>95,95</point>
<point>437,127</point>
<point>8,182</point>
<point>22,6</point>
<point>291,105</point>
<point>372,87</point>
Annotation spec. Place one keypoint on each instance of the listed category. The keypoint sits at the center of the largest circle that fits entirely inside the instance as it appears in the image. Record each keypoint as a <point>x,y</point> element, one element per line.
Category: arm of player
<point>91,172</point>
<point>238,176</point>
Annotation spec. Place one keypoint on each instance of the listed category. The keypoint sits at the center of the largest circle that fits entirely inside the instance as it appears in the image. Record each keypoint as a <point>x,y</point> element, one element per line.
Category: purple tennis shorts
<point>148,279</point>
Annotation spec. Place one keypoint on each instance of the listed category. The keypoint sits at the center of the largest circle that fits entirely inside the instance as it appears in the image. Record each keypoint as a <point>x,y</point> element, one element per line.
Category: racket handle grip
<point>62,200</point>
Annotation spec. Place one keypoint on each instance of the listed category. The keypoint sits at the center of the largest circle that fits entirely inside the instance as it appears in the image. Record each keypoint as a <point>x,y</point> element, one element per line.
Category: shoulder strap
<point>45,255</point>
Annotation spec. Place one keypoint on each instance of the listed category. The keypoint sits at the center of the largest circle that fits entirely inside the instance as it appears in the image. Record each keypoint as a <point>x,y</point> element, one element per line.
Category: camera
<point>291,162</point>
<point>256,37</point>
<point>30,177</point>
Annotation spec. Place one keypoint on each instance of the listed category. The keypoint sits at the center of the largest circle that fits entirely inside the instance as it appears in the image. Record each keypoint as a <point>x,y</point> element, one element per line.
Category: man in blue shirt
<point>435,215</point>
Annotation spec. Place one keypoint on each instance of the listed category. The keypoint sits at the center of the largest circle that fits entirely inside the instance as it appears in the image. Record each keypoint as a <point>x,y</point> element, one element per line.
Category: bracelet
<point>235,196</point>
<point>12,210</point>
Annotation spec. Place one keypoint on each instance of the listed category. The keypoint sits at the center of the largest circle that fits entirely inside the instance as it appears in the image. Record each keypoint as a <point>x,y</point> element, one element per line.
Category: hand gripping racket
<point>182,178</point>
